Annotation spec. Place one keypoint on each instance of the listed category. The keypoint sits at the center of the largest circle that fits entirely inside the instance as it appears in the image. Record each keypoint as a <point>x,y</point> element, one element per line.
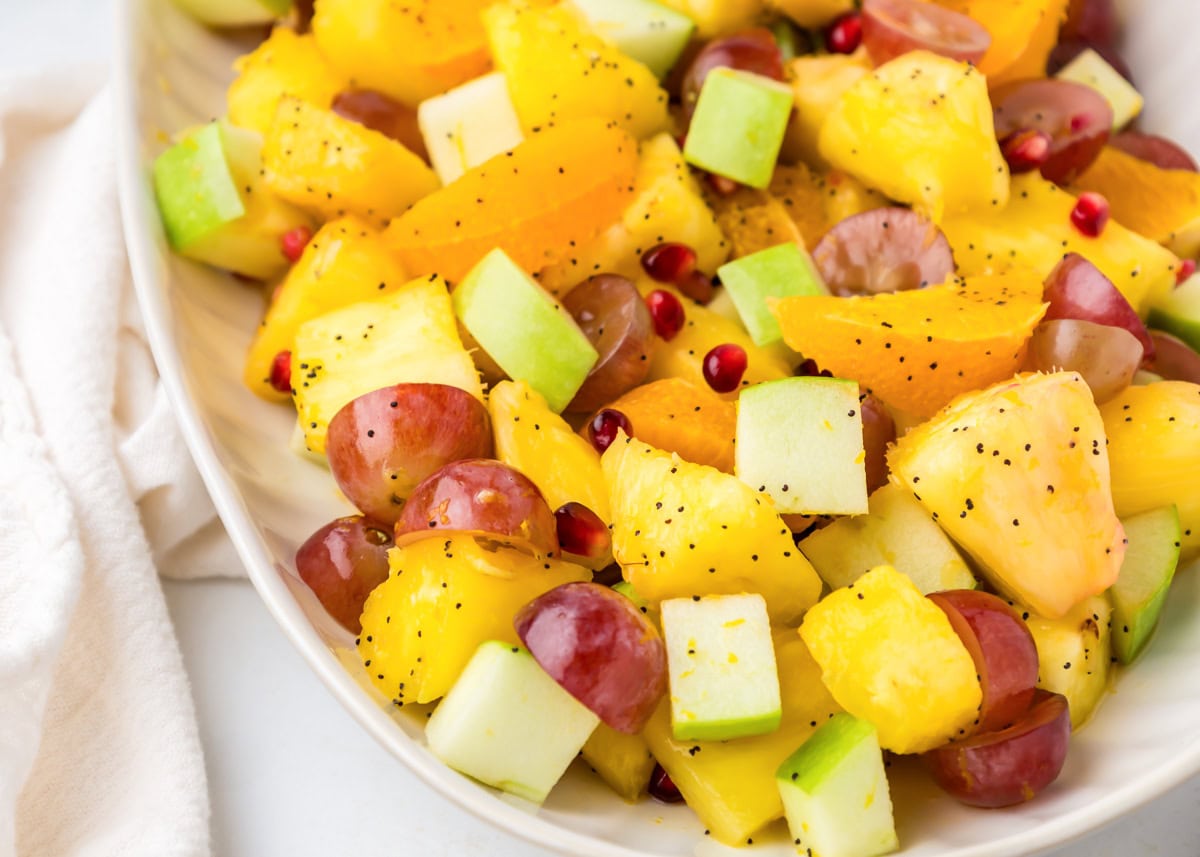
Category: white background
<point>289,772</point>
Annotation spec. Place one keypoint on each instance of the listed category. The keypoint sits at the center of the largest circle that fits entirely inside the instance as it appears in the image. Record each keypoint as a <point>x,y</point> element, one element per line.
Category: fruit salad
<point>738,394</point>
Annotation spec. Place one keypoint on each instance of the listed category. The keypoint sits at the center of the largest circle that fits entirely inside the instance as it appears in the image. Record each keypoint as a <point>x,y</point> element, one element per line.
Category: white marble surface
<point>289,772</point>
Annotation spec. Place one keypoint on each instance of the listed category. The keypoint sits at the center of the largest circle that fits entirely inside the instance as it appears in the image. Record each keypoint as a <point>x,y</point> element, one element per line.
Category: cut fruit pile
<point>729,392</point>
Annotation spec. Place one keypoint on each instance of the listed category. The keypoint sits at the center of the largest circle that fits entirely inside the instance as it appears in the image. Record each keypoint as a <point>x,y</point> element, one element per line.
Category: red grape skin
<point>1174,359</point>
<point>1004,652</point>
<point>485,498</point>
<point>894,27</point>
<point>879,430</point>
<point>342,562</point>
<point>883,250</point>
<point>600,648</point>
<point>380,113</point>
<point>1078,289</point>
<point>754,50</point>
<point>1076,117</point>
<point>1093,21</point>
<point>611,313</point>
<point>996,769</point>
<point>1107,357</point>
<point>1157,150</point>
<point>382,444</point>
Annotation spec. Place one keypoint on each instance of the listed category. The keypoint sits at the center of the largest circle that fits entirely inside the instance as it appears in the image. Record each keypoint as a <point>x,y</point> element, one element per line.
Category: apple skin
<point>1174,359</point>
<point>1078,289</point>
<point>1004,652</point>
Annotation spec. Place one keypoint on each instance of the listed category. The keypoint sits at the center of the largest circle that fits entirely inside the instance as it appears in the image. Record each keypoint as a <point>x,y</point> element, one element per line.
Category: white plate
<point>172,73</point>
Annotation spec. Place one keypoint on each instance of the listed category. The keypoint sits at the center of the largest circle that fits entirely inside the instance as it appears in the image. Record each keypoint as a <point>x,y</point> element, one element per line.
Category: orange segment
<point>680,417</point>
<point>557,188</point>
<point>917,350</point>
<point>1015,26</point>
<point>1031,62</point>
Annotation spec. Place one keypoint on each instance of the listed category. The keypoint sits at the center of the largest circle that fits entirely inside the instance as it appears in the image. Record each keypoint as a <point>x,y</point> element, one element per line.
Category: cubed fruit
<point>468,125</point>
<point>681,417</point>
<point>286,64</point>
<point>818,83</point>
<point>1034,232</point>
<point>891,657</point>
<point>800,440</point>
<point>1140,592</point>
<point>409,51</point>
<point>730,785</point>
<point>529,334</point>
<point>1090,69</point>
<point>778,272</point>
<point>508,724</point>
<point>408,336</point>
<point>812,14</point>
<point>332,166</point>
<point>1178,312</point>
<point>1018,476</point>
<point>653,34</point>
<point>721,663</point>
<point>215,207</point>
<point>558,70</point>
<point>754,220</point>
<point>557,188</point>
<point>444,596</point>
<point>896,532</point>
<point>718,17</point>
<point>1074,653</point>
<point>235,13</point>
<point>623,761</point>
<point>681,529</point>
<point>934,114</point>
<point>344,263</point>
<point>1154,450</point>
<point>835,792</point>
<point>738,126</point>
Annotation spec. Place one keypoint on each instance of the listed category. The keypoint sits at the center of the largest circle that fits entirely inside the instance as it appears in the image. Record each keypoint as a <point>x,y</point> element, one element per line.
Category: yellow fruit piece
<point>1034,232</point>
<point>1163,205</point>
<point>812,14</point>
<point>731,784</point>
<point>443,597</point>
<point>1031,62</point>
<point>1154,452</point>
<point>286,64</point>
<point>719,17</point>
<point>1017,476</point>
<point>1014,25</point>
<point>333,167</point>
<point>919,129</point>
<point>919,349</point>
<point>678,416</point>
<point>818,83</point>
<point>344,263</point>
<point>891,657</point>
<point>408,50</point>
<point>1074,654</point>
<point>623,761</point>
<point>682,529</point>
<point>754,220</point>
<point>667,206</point>
<point>558,70</point>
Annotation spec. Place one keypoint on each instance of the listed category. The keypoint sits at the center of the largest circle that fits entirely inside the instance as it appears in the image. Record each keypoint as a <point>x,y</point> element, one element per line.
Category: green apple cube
<point>1091,69</point>
<point>897,531</point>
<point>1146,573</point>
<point>835,792</point>
<point>508,724</point>
<point>214,205</point>
<point>721,667</point>
<point>782,271</point>
<point>653,34</point>
<point>235,13</point>
<point>800,440</point>
<point>469,125</point>
<point>737,129</point>
<point>521,327</point>
<point>1179,312</point>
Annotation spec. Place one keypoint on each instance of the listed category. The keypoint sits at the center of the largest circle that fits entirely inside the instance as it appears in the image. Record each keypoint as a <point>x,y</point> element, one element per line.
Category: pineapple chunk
<point>920,130</point>
<point>409,336</point>
<point>720,17</point>
<point>623,761</point>
<point>890,656</point>
<point>332,166</point>
<point>344,263</point>
<point>286,64</point>
<point>1074,655</point>
<point>731,784</point>
<point>682,529</point>
<point>1034,232</point>
<point>445,596</point>
<point>818,83</point>
<point>558,70</point>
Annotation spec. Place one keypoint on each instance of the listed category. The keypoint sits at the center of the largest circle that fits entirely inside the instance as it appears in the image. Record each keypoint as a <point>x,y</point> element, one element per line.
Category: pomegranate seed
<point>281,372</point>
<point>845,34</point>
<point>1026,150</point>
<point>670,262</point>
<point>698,286</point>
<point>294,241</point>
<point>662,787</point>
<point>1090,214</point>
<point>724,367</point>
<point>603,428</point>
<point>581,532</point>
<point>810,369</point>
<point>1186,268</point>
<point>721,185</point>
<point>666,311</point>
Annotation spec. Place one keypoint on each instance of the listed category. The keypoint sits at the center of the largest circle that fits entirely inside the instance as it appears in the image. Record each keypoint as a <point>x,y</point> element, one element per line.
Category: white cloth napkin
<point>99,751</point>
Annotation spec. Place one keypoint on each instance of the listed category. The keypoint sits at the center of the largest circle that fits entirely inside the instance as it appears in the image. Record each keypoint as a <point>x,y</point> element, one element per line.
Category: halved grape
<point>1174,359</point>
<point>883,250</point>
<point>1157,150</point>
<point>611,313</point>
<point>342,562</point>
<point>754,50</point>
<point>1093,21</point>
<point>1107,357</point>
<point>879,431</point>
<point>1078,289</point>
<point>895,27</point>
<point>380,113</point>
<point>1077,118</point>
